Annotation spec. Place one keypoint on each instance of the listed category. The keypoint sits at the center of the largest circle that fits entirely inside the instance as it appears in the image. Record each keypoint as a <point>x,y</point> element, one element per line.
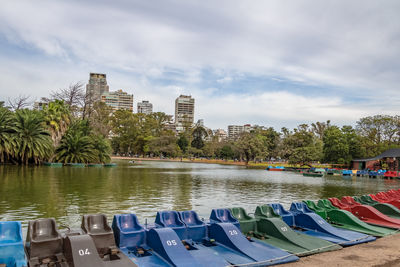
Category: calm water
<point>67,193</point>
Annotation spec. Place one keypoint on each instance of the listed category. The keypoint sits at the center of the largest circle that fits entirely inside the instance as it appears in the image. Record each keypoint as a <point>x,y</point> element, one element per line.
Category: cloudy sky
<point>274,63</point>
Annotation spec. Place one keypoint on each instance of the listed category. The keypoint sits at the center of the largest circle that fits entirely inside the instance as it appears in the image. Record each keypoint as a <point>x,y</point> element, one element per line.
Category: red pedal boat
<point>365,213</point>
<point>385,198</point>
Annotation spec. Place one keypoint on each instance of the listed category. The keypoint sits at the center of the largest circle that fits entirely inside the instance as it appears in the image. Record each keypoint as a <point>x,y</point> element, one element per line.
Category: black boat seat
<point>43,238</point>
<point>97,227</point>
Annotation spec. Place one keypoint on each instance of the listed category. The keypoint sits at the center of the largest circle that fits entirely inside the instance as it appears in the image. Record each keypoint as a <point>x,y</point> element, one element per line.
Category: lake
<point>66,193</point>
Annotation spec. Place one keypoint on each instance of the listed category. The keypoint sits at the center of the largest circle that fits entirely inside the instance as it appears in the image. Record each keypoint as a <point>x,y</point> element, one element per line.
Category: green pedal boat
<point>268,227</point>
<point>345,219</point>
<point>385,208</point>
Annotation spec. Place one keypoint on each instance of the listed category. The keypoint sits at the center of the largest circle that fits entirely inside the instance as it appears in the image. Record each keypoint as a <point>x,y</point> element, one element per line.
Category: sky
<point>276,63</point>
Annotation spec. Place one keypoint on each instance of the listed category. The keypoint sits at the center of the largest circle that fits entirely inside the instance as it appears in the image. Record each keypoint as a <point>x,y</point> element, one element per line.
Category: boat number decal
<point>83,252</point>
<point>171,242</point>
<point>233,232</point>
<point>321,222</point>
<point>284,229</point>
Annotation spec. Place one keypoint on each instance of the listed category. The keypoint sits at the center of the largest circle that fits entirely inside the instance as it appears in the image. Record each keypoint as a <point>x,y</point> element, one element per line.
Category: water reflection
<point>67,193</point>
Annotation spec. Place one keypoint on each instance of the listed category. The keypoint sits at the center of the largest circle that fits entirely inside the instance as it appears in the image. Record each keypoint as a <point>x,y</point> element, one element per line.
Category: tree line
<point>146,135</point>
<point>73,128</point>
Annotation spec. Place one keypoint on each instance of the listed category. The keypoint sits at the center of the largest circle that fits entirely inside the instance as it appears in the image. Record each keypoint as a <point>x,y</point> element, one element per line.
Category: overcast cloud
<point>274,63</point>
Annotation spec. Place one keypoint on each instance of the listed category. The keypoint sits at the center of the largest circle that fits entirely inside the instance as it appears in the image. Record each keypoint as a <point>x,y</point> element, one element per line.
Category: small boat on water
<point>276,168</point>
<point>319,172</point>
<point>110,164</point>
<point>312,174</point>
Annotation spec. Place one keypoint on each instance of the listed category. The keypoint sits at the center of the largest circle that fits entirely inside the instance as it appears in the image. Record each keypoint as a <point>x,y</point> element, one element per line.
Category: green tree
<point>34,141</point>
<point>100,118</point>
<point>102,148</point>
<point>57,118</point>
<point>270,139</point>
<point>319,128</point>
<point>125,129</point>
<point>354,141</point>
<point>183,142</point>
<point>226,152</point>
<point>336,147</point>
<point>76,148</point>
<point>251,146</point>
<point>165,145</point>
<point>199,133</point>
<point>379,132</point>
<point>8,143</point>
<point>301,146</point>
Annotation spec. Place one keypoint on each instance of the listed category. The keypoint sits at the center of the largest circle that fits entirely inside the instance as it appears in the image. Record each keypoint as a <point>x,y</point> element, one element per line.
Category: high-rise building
<point>118,100</point>
<point>144,107</point>
<point>234,131</point>
<point>184,110</point>
<point>97,86</point>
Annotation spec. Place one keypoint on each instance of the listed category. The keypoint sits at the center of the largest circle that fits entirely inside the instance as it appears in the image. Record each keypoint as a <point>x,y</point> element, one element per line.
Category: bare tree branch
<point>20,102</point>
<point>74,95</point>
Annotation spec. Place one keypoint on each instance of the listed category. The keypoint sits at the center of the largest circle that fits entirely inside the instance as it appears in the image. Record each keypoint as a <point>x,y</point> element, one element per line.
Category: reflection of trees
<point>182,192</point>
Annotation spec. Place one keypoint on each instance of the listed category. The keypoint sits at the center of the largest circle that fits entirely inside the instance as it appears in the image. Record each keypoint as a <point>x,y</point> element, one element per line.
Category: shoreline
<point>250,165</point>
<point>185,160</point>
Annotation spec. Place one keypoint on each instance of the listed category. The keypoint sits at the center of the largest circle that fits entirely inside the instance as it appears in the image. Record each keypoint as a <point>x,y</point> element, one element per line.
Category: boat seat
<point>287,216</point>
<point>171,219</point>
<point>368,199</point>
<point>266,211</point>
<point>43,238</point>
<point>247,223</point>
<point>223,216</point>
<point>299,207</point>
<point>11,244</point>
<point>97,227</point>
<point>127,231</point>
<point>10,233</point>
<point>326,204</point>
<point>196,228</point>
<point>349,200</point>
<point>337,203</point>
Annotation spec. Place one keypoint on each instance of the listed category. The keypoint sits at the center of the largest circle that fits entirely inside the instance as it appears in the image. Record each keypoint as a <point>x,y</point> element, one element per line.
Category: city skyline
<point>267,63</point>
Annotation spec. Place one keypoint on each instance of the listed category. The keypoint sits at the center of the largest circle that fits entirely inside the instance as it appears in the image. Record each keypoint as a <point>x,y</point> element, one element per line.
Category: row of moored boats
<point>231,236</point>
<point>319,172</point>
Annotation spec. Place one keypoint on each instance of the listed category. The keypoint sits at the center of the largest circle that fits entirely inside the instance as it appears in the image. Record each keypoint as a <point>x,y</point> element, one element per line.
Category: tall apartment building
<point>144,107</point>
<point>118,100</point>
<point>97,86</point>
<point>184,110</point>
<point>234,131</point>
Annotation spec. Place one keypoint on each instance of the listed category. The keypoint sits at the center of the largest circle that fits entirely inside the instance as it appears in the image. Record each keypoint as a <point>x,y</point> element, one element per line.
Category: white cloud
<point>158,50</point>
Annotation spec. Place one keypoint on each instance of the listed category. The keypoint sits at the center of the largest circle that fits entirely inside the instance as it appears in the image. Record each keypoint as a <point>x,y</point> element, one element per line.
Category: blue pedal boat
<point>301,218</point>
<point>12,252</point>
<point>225,229</point>
<point>153,247</point>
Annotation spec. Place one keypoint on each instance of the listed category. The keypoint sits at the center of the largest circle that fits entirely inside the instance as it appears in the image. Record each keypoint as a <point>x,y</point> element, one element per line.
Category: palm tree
<point>8,143</point>
<point>57,116</point>
<point>76,148</point>
<point>34,141</point>
<point>102,148</point>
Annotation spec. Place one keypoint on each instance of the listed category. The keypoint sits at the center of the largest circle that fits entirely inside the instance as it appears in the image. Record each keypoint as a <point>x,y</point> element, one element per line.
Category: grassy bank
<point>251,165</point>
